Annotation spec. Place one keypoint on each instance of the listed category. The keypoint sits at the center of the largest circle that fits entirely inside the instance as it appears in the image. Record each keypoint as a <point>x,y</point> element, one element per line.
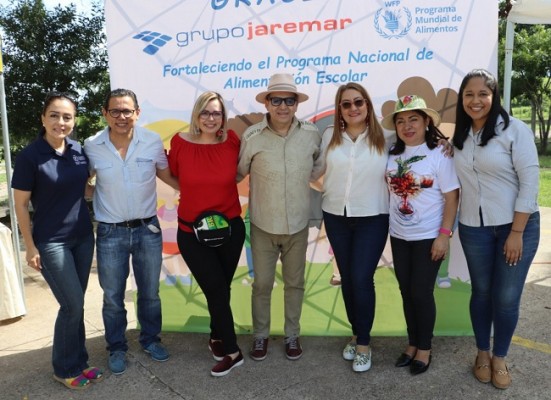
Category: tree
<point>531,75</point>
<point>532,71</point>
<point>52,50</point>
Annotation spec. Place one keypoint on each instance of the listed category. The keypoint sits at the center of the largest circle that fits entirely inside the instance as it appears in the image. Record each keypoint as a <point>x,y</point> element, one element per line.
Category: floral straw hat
<point>281,83</point>
<point>409,103</point>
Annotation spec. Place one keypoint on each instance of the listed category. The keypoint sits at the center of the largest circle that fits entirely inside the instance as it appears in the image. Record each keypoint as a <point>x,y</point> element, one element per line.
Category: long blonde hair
<point>375,136</point>
<point>200,104</point>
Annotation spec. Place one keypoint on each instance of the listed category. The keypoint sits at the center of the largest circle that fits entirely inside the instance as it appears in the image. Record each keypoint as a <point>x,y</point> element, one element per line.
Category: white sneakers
<point>349,351</point>
<point>362,361</point>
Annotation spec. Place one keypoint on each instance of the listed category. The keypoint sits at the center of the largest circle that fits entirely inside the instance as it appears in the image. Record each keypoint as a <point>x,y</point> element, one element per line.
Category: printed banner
<point>169,52</point>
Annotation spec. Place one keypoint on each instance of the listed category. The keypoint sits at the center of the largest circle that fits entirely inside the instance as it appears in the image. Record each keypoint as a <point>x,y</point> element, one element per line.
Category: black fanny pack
<point>211,228</point>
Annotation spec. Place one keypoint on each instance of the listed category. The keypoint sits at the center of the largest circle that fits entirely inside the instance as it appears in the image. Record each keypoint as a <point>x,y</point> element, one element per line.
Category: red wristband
<point>446,232</point>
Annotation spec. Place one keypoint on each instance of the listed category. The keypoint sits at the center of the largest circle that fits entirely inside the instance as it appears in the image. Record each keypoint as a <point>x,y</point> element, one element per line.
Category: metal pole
<point>7,158</point>
<point>509,43</point>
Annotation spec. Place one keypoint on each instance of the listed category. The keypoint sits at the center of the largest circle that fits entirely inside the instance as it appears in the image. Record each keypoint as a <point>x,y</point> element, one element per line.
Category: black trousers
<point>213,269</point>
<point>416,274</point>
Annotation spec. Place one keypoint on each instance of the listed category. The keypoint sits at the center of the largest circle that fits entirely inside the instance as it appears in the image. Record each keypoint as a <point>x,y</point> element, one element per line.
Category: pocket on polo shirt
<point>106,173</point>
<point>144,170</point>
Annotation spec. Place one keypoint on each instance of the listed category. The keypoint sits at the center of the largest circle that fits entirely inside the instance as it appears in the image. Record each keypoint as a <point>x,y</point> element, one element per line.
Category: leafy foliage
<point>531,76</point>
<point>46,50</point>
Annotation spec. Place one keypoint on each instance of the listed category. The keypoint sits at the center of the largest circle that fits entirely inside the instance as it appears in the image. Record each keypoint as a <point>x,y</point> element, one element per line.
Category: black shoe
<point>404,360</point>
<point>418,367</point>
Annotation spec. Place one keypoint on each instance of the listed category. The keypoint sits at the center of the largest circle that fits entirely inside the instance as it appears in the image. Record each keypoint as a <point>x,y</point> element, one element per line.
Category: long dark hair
<point>463,122</point>
<point>55,95</point>
<point>432,135</point>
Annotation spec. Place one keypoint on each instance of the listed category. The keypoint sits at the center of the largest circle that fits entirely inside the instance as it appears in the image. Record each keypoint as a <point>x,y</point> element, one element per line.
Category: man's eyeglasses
<point>289,101</point>
<point>347,105</point>
<point>215,114</point>
<point>116,113</point>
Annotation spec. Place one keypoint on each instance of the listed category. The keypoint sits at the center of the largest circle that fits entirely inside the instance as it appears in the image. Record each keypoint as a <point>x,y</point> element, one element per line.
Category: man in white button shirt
<point>126,160</point>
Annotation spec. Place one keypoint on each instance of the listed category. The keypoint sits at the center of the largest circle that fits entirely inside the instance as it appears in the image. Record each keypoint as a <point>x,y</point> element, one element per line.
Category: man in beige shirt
<point>279,155</point>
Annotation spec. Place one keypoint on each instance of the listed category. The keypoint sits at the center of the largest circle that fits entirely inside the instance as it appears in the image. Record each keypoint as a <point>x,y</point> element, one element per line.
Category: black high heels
<point>418,367</point>
<point>404,360</point>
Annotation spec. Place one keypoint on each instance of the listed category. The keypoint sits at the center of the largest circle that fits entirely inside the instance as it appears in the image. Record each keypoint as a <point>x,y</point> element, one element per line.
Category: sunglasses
<point>347,105</point>
<point>289,101</point>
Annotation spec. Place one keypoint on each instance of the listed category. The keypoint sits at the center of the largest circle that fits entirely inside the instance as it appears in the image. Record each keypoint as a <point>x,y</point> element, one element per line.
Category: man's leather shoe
<point>418,367</point>
<point>403,361</point>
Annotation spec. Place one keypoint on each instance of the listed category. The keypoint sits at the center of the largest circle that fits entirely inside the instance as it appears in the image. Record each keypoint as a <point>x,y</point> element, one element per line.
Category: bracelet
<point>514,230</point>
<point>446,232</point>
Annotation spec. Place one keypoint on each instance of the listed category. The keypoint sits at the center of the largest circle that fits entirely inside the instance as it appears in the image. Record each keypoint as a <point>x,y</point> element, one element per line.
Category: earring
<point>219,133</point>
<point>197,131</point>
<point>342,125</point>
<point>427,128</point>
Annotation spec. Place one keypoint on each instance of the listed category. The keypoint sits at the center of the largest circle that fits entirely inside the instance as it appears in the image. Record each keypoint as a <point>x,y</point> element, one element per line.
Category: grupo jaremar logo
<point>154,40</point>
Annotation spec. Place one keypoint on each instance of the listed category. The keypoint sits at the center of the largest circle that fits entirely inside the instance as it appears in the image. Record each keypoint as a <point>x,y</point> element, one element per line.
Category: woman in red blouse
<point>205,162</point>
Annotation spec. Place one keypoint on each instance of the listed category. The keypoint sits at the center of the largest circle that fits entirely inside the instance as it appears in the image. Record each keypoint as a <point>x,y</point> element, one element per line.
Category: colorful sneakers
<point>260,349</point>
<point>226,365</point>
<point>77,383</point>
<point>217,349</point>
<point>93,374</point>
<point>349,351</point>
<point>362,361</point>
<point>293,350</point>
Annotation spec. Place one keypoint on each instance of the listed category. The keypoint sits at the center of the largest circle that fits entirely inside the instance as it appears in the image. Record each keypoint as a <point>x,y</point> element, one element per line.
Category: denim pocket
<point>104,230</point>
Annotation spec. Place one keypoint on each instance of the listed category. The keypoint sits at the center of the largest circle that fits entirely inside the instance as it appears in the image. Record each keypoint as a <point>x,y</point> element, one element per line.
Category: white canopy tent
<point>523,12</point>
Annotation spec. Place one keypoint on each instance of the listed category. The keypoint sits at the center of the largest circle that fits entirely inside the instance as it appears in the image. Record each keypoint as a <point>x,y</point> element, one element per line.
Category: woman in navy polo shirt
<point>51,173</point>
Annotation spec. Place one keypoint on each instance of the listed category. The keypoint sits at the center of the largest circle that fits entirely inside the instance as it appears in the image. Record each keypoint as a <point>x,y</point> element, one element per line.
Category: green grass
<point>544,198</point>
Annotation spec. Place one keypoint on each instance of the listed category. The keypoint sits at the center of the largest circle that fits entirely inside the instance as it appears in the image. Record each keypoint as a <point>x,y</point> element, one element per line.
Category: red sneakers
<point>260,349</point>
<point>226,365</point>
<point>293,350</point>
<point>217,349</point>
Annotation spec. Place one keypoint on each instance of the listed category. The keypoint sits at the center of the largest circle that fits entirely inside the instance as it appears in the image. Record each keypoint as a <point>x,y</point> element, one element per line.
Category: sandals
<point>77,383</point>
<point>93,374</point>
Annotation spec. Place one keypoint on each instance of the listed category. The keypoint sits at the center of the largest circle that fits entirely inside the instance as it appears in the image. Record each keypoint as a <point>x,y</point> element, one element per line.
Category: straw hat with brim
<point>409,103</point>
<point>281,83</point>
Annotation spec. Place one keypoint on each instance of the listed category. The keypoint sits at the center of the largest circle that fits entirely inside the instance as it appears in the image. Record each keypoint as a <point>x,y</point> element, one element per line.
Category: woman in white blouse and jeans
<point>497,165</point>
<point>355,209</point>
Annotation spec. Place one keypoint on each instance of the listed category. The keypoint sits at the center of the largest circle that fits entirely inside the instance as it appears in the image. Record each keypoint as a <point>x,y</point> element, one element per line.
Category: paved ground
<point>25,353</point>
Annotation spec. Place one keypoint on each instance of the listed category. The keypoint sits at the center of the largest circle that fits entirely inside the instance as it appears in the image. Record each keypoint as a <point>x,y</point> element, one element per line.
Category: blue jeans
<point>66,268</point>
<point>496,286</point>
<point>115,245</point>
<point>358,243</point>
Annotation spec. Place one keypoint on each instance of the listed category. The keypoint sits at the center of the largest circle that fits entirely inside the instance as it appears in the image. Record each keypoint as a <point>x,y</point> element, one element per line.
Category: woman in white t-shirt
<point>424,193</point>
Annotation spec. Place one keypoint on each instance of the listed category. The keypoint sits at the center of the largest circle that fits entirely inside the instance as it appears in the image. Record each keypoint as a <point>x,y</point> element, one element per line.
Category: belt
<point>134,223</point>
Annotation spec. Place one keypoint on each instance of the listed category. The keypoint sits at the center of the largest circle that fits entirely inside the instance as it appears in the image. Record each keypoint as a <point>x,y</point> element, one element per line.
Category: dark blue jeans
<point>115,245</point>
<point>358,243</point>
<point>66,268</point>
<point>213,268</point>
<point>496,286</point>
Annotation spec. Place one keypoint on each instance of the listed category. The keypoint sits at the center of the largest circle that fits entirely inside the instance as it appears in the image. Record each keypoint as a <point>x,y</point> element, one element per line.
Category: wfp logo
<point>392,22</point>
<point>155,41</point>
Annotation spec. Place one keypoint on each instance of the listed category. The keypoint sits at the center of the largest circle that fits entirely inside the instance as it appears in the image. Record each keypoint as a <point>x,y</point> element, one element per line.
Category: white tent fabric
<point>523,12</point>
<point>531,12</point>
